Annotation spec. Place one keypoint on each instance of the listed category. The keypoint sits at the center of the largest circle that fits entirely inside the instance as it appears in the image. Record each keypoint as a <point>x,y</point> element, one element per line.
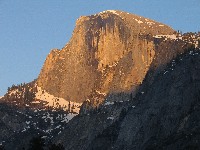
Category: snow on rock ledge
<point>56,102</point>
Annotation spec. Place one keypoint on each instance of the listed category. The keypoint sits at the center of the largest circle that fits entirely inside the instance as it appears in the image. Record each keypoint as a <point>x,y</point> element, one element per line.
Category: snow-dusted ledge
<point>56,102</point>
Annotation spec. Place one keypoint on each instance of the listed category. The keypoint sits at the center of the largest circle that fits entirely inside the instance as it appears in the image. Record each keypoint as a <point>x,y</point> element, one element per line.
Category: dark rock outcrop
<point>165,116</point>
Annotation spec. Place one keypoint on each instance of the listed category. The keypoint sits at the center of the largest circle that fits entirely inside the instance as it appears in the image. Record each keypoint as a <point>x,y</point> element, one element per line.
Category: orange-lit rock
<point>109,52</point>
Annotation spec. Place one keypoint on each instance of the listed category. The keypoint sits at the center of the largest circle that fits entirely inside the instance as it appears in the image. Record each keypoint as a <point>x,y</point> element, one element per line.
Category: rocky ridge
<point>108,52</point>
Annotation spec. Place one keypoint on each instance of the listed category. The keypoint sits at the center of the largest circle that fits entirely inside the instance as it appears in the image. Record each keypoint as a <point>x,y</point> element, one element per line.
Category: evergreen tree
<point>2,147</point>
<point>8,89</point>
<point>28,95</point>
<point>56,147</point>
<point>69,107</point>
<point>36,143</point>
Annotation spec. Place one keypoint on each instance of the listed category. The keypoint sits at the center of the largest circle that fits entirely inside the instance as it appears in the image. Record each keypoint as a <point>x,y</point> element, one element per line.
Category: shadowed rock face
<point>163,115</point>
<point>109,52</point>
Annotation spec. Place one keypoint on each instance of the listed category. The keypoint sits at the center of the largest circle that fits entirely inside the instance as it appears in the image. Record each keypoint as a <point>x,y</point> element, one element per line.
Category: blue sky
<point>30,29</point>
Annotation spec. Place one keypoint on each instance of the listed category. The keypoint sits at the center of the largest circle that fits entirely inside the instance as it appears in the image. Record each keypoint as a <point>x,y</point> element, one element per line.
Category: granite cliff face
<point>109,52</point>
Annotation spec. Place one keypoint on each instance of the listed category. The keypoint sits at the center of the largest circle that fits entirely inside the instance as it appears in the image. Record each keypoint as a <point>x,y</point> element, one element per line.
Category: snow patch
<point>111,118</point>
<point>165,72</point>
<point>13,92</point>
<point>62,58</point>
<point>139,21</point>
<point>88,100</point>
<point>191,52</point>
<point>23,130</point>
<point>114,64</point>
<point>111,11</point>
<point>58,127</point>
<point>196,45</point>
<point>150,23</point>
<point>36,102</point>
<point>108,103</point>
<point>56,102</point>
<point>67,118</point>
<point>171,36</point>
<point>101,93</point>
<point>28,122</point>
<point>48,117</point>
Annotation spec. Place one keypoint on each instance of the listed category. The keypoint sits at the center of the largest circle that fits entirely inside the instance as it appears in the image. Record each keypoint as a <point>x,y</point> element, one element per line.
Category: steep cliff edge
<point>109,52</point>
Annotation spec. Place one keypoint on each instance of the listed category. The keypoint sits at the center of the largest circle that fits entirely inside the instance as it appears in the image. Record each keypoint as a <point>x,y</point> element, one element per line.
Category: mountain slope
<point>18,125</point>
<point>138,80</point>
<point>163,115</point>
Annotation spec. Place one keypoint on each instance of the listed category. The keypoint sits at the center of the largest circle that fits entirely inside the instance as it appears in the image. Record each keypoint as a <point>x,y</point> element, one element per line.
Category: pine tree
<point>69,107</point>
<point>2,147</point>
<point>56,147</point>
<point>36,143</point>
